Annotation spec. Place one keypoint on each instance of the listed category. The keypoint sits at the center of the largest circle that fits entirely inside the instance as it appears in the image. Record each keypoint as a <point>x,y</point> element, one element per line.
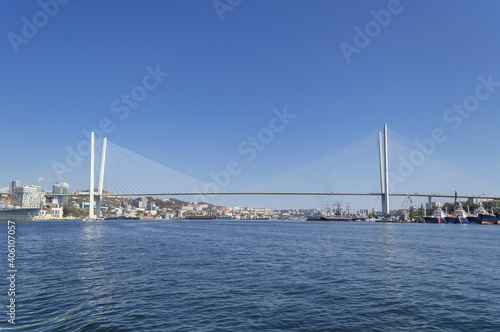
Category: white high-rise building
<point>13,184</point>
<point>28,197</point>
<point>61,188</point>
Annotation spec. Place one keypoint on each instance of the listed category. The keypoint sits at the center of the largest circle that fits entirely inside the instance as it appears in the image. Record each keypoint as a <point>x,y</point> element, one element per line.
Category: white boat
<point>459,216</point>
<point>438,217</point>
<point>476,216</point>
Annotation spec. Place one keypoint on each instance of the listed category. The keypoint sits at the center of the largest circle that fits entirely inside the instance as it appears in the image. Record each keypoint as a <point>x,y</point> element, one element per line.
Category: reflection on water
<point>92,270</point>
<point>390,267</point>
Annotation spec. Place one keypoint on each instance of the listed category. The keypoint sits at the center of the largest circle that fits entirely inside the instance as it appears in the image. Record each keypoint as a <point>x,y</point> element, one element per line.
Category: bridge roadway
<point>242,193</point>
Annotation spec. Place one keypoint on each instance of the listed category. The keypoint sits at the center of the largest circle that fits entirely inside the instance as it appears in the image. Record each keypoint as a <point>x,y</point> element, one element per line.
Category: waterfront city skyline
<point>206,79</point>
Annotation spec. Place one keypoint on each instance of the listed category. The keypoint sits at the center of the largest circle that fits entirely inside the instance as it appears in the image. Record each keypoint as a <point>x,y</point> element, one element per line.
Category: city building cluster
<point>63,204</point>
<point>54,206</point>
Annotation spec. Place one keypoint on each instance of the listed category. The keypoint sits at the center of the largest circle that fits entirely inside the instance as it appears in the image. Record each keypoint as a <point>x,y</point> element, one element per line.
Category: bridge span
<point>96,197</point>
<point>284,193</point>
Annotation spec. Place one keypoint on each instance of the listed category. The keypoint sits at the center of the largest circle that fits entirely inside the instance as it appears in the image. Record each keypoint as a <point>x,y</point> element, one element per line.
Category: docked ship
<point>199,217</point>
<point>329,218</point>
<point>25,203</point>
<point>488,219</point>
<point>359,217</point>
<point>337,216</point>
<point>16,213</point>
<point>476,217</point>
<point>438,217</point>
<point>122,218</point>
<point>459,216</point>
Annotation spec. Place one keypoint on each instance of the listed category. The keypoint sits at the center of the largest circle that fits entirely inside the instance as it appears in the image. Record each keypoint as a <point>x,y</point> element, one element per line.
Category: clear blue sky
<point>226,76</point>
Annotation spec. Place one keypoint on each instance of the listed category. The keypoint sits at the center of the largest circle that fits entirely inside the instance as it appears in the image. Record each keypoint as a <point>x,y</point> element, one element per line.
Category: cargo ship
<point>15,213</point>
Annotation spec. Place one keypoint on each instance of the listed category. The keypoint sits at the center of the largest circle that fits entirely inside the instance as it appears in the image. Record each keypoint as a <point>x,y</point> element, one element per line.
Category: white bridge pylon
<point>98,197</point>
<point>384,170</point>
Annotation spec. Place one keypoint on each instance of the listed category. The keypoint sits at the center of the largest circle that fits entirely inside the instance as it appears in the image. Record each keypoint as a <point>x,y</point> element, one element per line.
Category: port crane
<point>406,207</point>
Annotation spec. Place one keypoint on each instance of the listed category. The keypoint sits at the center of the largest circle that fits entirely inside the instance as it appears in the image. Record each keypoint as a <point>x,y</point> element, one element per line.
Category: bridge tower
<point>98,198</point>
<point>384,170</point>
<point>91,184</point>
<point>101,177</point>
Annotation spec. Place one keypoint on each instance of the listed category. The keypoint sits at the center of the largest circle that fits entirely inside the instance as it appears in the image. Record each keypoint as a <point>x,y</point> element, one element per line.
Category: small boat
<point>459,216</point>
<point>359,217</point>
<point>438,217</point>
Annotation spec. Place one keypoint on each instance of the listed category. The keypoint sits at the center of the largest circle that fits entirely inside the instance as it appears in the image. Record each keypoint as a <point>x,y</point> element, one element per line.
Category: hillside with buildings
<point>76,206</point>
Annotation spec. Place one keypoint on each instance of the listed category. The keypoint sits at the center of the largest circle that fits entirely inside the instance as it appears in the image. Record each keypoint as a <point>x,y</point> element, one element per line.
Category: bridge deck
<point>242,193</point>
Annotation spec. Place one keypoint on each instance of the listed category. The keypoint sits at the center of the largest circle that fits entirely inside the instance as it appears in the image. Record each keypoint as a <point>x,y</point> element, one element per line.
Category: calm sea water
<point>254,276</point>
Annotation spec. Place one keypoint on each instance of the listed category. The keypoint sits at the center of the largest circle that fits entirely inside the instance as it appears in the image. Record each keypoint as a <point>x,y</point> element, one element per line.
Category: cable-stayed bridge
<point>364,168</point>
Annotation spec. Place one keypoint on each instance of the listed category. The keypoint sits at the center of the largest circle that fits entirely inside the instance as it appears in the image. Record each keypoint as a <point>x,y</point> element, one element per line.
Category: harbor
<point>33,203</point>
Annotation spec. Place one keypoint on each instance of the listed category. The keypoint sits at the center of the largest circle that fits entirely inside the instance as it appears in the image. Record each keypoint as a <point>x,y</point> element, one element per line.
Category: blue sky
<point>225,77</point>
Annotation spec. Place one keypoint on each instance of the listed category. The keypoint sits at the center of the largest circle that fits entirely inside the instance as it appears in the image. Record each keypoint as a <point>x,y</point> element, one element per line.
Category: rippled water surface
<point>262,276</point>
